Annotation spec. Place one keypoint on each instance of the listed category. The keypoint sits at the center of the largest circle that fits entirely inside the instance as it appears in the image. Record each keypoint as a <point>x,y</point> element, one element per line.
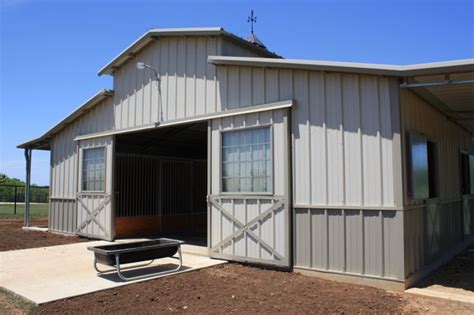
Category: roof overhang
<point>44,142</point>
<point>448,85</point>
<point>455,66</point>
<point>154,34</point>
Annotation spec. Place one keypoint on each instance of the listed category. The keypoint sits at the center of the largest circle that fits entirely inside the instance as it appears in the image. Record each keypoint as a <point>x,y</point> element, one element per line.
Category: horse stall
<point>160,183</point>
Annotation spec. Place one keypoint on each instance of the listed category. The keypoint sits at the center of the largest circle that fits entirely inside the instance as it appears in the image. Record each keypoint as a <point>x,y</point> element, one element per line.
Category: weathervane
<point>251,19</point>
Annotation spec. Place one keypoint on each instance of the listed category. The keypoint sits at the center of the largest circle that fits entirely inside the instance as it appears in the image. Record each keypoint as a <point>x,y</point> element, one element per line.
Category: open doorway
<point>160,183</point>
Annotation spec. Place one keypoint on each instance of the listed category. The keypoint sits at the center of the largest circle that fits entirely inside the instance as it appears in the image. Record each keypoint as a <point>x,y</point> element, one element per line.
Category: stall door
<point>94,198</point>
<point>249,216</point>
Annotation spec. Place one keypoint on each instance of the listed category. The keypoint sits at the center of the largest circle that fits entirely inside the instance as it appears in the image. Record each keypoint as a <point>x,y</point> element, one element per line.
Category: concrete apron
<point>52,273</point>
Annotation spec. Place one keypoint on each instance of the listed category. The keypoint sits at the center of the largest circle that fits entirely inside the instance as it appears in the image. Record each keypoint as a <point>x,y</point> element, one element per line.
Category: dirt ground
<point>222,289</point>
<point>12,236</point>
<point>233,288</point>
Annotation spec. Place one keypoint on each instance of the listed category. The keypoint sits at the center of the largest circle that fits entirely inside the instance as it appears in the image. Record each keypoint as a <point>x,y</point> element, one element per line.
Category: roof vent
<point>252,38</point>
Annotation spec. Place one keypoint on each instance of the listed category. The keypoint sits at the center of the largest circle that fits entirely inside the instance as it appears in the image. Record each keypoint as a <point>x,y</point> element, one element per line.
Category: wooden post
<point>27,187</point>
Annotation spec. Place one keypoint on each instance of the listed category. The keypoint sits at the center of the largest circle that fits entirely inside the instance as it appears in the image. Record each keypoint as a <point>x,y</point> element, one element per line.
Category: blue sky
<point>50,50</point>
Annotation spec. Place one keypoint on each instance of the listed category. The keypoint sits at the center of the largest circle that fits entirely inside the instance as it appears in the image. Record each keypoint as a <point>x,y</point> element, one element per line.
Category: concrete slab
<point>52,273</point>
<point>453,281</point>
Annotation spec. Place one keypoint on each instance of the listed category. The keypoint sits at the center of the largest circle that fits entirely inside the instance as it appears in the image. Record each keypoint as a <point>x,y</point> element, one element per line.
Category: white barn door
<point>249,210</point>
<point>95,185</point>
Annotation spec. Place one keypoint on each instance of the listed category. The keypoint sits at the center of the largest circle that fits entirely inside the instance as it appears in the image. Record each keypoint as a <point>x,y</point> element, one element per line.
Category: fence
<point>14,194</point>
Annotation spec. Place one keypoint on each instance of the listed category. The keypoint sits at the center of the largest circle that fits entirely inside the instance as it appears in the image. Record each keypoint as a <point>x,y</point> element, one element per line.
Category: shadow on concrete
<point>457,274</point>
<point>111,274</point>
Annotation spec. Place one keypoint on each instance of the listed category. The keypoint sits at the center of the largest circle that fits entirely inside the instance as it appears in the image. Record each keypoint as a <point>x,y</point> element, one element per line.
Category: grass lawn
<point>37,211</point>
<point>12,304</point>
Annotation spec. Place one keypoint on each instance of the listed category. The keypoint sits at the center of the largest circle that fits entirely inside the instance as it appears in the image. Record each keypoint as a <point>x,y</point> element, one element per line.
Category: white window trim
<point>271,192</point>
<point>104,147</point>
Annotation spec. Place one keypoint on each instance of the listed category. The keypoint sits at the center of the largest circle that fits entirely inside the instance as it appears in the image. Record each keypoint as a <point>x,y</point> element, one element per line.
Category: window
<point>422,168</point>
<point>93,169</point>
<point>467,174</point>
<point>246,161</point>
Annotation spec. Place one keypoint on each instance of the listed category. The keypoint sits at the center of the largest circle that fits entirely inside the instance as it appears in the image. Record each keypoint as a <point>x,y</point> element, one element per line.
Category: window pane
<point>419,167</point>
<point>471,172</point>
<point>93,169</point>
<point>246,160</point>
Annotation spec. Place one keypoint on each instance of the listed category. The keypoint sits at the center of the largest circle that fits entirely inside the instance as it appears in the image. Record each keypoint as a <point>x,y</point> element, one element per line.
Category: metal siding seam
<point>344,232</point>
<point>176,82</point>
<point>361,144</point>
<point>363,240</point>
<point>379,132</point>
<point>326,142</point>
<point>382,231</point>
<point>206,53</point>
<point>167,79</point>
<point>308,104</point>
<point>343,155</point>
<point>327,238</point>
<point>310,239</point>
<point>185,76</point>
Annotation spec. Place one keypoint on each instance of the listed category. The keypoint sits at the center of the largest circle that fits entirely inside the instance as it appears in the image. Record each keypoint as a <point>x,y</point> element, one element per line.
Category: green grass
<point>13,304</point>
<point>37,211</point>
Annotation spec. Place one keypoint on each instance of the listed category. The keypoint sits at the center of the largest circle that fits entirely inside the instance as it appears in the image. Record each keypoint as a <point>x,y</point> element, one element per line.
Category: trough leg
<point>122,277</point>
<point>130,267</point>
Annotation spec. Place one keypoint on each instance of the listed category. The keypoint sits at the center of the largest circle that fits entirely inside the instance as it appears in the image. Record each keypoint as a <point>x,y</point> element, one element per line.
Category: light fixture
<point>143,66</point>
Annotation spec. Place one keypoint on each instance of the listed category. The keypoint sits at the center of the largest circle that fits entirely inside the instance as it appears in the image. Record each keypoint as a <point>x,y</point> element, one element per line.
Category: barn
<point>348,171</point>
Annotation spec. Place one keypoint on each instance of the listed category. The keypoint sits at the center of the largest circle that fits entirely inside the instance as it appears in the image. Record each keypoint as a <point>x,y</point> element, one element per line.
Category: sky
<point>51,50</point>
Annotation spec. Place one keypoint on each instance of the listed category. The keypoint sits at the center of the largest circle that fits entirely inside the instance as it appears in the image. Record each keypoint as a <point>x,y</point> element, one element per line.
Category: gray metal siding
<point>354,241</point>
<point>342,130</point>
<point>434,226</point>
<point>62,215</point>
<point>345,130</point>
<point>420,116</point>
<point>64,162</point>
<point>187,82</point>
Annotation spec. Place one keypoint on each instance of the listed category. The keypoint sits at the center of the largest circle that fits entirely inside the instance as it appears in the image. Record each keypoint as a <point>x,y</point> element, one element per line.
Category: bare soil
<point>12,236</point>
<point>233,288</point>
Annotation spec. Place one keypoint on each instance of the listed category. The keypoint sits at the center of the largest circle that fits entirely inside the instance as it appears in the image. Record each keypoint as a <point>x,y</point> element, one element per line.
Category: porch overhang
<point>452,92</point>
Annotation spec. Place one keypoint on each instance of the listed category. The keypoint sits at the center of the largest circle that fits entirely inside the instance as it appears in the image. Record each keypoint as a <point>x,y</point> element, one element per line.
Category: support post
<point>27,186</point>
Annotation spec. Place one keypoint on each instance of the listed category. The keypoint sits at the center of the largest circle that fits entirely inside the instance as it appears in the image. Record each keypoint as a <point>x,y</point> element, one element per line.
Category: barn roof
<point>464,65</point>
<point>44,142</point>
<point>153,34</point>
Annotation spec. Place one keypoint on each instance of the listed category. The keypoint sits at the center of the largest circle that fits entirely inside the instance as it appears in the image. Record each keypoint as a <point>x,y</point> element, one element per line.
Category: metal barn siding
<point>342,131</point>
<point>188,85</point>
<point>352,241</point>
<point>435,226</point>
<point>346,164</point>
<point>64,164</point>
<point>95,217</point>
<point>245,226</point>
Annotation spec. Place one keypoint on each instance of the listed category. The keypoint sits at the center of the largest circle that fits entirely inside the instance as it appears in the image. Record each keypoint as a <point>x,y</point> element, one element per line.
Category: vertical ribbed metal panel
<point>356,241</point>
<point>188,82</point>
<point>433,228</point>
<point>421,117</point>
<point>64,162</point>
<point>62,215</point>
<point>342,128</point>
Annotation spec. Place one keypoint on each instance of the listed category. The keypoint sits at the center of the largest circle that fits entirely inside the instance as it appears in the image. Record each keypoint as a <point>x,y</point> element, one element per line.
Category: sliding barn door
<point>249,210</point>
<point>94,196</point>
